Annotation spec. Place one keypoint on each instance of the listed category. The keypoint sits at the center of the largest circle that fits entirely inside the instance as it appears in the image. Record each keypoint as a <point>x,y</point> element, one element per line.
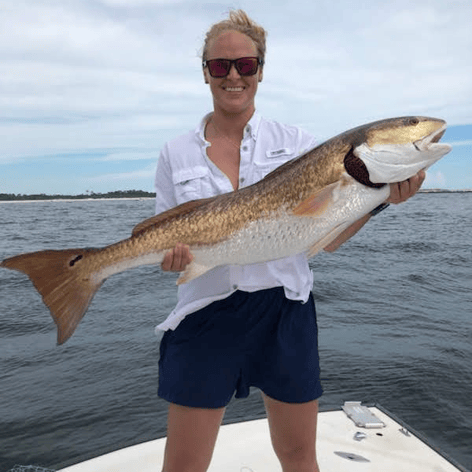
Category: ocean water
<point>394,311</point>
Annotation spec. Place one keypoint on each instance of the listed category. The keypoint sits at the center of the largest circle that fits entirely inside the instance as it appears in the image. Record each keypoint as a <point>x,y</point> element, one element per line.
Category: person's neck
<point>232,124</point>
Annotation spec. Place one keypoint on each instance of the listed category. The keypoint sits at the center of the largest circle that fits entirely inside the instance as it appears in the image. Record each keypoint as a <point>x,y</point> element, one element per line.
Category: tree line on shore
<point>88,195</point>
<point>133,194</point>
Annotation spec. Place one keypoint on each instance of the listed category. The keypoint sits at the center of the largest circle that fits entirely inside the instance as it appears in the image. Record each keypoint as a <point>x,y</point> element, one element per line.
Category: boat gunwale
<point>427,441</point>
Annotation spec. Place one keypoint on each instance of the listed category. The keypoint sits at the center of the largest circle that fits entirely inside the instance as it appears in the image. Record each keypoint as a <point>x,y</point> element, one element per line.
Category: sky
<point>90,90</point>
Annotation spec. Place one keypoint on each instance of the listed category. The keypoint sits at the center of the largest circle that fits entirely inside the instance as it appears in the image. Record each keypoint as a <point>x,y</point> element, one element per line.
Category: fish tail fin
<point>65,283</point>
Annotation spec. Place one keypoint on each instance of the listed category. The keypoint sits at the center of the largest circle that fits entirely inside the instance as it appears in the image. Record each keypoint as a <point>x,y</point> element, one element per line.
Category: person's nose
<point>233,73</point>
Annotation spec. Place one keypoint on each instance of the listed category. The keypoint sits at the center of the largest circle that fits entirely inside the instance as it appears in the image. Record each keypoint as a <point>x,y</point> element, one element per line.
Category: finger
<point>417,181</point>
<point>422,174</point>
<point>398,191</point>
<point>394,193</point>
<point>166,263</point>
<point>402,191</point>
<point>184,257</point>
<point>405,190</point>
<point>187,256</point>
<point>177,260</point>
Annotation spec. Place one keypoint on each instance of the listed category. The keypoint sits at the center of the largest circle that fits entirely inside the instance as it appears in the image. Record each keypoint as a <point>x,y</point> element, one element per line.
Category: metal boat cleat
<point>359,436</point>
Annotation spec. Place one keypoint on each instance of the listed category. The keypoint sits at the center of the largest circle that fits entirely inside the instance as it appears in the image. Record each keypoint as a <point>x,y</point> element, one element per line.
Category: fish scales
<point>299,208</point>
<point>224,216</point>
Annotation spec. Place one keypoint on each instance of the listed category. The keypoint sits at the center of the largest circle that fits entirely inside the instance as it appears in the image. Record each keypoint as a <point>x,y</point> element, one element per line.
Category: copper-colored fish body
<point>300,207</point>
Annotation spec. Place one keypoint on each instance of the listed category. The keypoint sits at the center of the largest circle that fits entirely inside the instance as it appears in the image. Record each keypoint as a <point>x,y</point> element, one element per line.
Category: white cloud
<point>139,3</point>
<point>466,142</point>
<point>130,156</point>
<point>115,76</point>
<point>435,179</point>
<point>146,173</point>
<point>379,60</point>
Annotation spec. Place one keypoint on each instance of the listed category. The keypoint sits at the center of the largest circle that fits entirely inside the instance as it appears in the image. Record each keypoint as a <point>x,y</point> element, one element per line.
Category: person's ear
<point>206,75</point>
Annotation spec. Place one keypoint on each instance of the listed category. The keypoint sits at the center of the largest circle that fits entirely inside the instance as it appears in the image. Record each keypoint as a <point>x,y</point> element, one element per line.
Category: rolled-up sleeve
<point>163,183</point>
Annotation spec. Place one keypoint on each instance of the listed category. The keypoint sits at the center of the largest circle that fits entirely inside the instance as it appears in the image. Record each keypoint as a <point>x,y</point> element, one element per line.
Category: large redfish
<point>300,207</point>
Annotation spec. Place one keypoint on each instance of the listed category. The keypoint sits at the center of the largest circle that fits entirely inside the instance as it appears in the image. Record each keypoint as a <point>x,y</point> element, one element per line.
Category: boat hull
<point>246,447</point>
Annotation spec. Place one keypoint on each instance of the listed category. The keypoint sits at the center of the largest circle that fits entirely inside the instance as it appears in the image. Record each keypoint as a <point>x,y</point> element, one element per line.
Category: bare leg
<point>191,437</point>
<point>293,433</point>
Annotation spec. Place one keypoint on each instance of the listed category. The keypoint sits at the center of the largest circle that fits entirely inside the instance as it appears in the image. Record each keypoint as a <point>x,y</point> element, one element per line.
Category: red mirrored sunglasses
<point>219,68</point>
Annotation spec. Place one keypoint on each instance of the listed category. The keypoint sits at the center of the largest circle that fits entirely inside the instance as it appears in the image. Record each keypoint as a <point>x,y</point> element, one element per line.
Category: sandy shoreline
<point>75,200</point>
<point>435,191</point>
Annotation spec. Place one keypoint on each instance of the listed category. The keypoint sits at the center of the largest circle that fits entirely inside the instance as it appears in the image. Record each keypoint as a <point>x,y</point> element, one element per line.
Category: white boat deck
<point>246,447</point>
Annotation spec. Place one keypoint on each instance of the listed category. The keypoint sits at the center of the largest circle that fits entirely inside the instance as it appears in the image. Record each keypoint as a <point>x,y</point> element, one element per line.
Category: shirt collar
<point>252,126</point>
<point>200,129</point>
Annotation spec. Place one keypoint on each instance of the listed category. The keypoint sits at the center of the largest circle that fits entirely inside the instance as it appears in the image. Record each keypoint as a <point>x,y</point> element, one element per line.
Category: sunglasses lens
<point>219,67</point>
<point>247,65</point>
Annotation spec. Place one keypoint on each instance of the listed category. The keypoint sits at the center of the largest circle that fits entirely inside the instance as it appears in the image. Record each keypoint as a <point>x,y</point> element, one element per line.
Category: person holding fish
<point>245,314</point>
<point>240,326</point>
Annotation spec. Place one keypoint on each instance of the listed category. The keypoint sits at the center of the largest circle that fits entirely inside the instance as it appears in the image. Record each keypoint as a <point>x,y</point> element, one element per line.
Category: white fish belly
<point>149,258</point>
<point>283,234</point>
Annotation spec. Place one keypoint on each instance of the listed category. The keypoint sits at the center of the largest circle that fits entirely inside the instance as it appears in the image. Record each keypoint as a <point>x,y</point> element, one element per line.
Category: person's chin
<point>235,104</point>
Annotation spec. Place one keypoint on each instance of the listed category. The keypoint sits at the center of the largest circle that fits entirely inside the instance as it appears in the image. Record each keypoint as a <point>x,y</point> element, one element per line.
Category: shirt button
<point>235,287</point>
<point>244,148</point>
<point>241,180</point>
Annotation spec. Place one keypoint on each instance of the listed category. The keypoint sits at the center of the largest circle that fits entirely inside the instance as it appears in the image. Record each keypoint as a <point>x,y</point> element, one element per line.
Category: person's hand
<point>177,259</point>
<point>401,191</point>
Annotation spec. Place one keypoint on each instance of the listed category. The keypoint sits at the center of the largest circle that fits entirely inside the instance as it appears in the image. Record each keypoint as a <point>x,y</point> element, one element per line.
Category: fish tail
<point>65,283</point>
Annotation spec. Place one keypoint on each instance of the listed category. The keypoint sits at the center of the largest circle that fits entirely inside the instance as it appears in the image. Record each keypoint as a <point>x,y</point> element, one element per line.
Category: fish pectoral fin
<point>318,203</point>
<point>192,271</point>
<point>323,242</point>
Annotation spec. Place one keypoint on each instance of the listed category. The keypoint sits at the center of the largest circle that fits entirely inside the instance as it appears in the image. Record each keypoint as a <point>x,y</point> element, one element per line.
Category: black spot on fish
<point>357,170</point>
<point>76,259</point>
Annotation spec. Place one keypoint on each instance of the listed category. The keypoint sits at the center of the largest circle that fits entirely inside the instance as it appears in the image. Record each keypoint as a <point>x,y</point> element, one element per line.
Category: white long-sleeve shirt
<point>185,172</point>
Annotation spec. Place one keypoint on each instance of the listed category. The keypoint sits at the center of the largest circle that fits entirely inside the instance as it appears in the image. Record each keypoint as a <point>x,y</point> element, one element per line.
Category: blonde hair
<point>238,21</point>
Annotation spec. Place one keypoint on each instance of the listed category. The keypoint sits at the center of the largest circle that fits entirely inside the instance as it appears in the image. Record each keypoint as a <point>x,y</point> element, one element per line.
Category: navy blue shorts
<point>259,339</point>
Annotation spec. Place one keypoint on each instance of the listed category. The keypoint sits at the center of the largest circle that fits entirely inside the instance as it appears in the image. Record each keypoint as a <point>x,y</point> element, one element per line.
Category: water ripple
<point>393,305</point>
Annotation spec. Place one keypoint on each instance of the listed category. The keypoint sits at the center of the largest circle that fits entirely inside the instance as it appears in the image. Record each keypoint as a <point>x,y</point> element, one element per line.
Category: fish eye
<point>413,121</point>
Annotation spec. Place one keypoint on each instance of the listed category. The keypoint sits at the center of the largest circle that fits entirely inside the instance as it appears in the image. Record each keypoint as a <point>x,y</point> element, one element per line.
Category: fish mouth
<point>388,163</point>
<point>432,140</point>
<point>437,137</point>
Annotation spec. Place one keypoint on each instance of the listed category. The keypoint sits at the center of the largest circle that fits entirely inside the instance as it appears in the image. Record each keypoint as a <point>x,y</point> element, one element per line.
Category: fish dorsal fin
<point>173,212</point>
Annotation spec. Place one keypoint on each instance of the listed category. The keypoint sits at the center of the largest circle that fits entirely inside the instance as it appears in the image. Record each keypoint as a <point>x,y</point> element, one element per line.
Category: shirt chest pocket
<point>272,160</point>
<point>191,184</point>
